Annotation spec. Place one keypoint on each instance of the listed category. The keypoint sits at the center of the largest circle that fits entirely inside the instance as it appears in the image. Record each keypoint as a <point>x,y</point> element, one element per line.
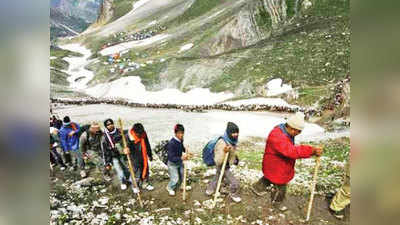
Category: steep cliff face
<point>242,30</point>
<point>253,21</point>
<point>71,17</point>
<point>106,12</point>
<point>86,10</point>
<point>62,25</point>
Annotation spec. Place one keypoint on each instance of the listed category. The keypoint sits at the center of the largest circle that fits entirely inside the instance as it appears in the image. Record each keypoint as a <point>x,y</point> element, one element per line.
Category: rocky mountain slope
<point>226,46</point>
<point>71,17</point>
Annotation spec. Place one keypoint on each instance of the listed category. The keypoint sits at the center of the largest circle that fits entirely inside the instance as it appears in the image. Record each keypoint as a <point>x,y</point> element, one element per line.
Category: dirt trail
<point>252,207</point>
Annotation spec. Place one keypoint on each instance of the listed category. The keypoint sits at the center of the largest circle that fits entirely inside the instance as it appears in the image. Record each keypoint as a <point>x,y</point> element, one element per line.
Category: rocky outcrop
<point>241,31</point>
<point>86,10</point>
<point>106,12</point>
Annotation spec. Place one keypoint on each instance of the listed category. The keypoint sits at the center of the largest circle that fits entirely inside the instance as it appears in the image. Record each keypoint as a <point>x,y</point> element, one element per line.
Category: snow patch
<point>153,22</point>
<point>139,3</point>
<point>186,47</point>
<point>275,87</point>
<point>216,14</point>
<point>77,66</point>
<point>132,88</point>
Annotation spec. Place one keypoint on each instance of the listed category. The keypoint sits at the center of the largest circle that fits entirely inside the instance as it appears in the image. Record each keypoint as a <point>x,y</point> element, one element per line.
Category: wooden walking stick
<point>317,163</point>
<point>184,178</point>
<point>220,179</point>
<point>130,163</point>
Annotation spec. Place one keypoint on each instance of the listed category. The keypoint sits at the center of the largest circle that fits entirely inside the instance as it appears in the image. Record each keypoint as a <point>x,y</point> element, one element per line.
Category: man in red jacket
<point>280,156</point>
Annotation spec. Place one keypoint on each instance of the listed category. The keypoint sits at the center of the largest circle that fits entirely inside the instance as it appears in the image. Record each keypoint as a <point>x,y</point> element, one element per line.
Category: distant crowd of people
<point>136,36</point>
<point>188,108</point>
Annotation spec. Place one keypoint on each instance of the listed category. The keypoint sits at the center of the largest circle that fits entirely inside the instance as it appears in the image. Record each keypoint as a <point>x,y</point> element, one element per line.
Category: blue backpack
<point>208,152</point>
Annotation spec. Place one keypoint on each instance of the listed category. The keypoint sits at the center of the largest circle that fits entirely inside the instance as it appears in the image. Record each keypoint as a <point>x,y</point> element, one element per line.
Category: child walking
<point>175,151</point>
<point>140,153</point>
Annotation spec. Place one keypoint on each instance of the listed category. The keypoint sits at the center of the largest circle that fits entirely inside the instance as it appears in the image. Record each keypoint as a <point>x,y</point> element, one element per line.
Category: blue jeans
<point>119,169</point>
<point>175,171</point>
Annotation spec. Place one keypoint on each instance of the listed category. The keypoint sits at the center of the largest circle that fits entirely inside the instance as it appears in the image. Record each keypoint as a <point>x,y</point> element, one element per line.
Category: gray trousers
<point>228,178</point>
<point>74,158</point>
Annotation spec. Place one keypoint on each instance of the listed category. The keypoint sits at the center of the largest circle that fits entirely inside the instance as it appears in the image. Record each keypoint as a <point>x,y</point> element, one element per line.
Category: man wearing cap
<point>280,156</point>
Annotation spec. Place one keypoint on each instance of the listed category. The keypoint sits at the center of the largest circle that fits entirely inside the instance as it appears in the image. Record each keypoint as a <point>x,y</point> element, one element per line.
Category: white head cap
<point>296,121</point>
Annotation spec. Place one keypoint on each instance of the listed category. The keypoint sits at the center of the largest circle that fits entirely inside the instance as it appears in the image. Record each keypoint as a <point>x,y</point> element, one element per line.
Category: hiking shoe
<point>258,189</point>
<point>209,192</point>
<point>224,190</point>
<point>338,214</point>
<point>107,178</point>
<point>170,191</point>
<point>149,187</point>
<point>83,174</point>
<point>71,168</point>
<point>188,188</point>
<point>135,190</point>
<point>62,168</point>
<point>236,198</point>
<point>262,193</point>
<point>123,187</point>
<point>283,208</point>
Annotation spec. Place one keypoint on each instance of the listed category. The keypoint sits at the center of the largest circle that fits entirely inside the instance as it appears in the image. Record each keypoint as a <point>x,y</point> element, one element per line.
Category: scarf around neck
<point>136,139</point>
<point>109,138</point>
<point>228,140</point>
<point>283,129</point>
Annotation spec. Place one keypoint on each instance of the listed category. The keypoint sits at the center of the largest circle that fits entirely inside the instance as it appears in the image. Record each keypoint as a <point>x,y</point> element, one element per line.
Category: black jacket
<point>109,151</point>
<point>136,151</point>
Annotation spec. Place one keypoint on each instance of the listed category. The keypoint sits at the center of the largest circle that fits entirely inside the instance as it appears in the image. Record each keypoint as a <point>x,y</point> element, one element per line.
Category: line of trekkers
<point>75,146</point>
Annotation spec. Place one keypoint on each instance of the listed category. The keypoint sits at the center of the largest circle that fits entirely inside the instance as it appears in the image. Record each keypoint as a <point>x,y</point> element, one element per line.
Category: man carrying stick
<point>225,155</point>
<point>139,150</point>
<point>176,155</point>
<point>132,172</point>
<point>280,156</point>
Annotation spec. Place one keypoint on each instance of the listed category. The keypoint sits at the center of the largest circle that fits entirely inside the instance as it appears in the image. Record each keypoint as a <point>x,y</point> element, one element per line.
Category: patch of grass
<point>58,77</point>
<point>60,53</point>
<point>338,149</point>
<point>310,95</point>
<point>251,153</point>
<point>263,19</point>
<point>59,64</point>
<point>290,11</point>
<point>121,7</point>
<point>150,74</point>
<point>95,44</point>
<point>312,56</point>
<point>324,8</point>
<point>198,8</point>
